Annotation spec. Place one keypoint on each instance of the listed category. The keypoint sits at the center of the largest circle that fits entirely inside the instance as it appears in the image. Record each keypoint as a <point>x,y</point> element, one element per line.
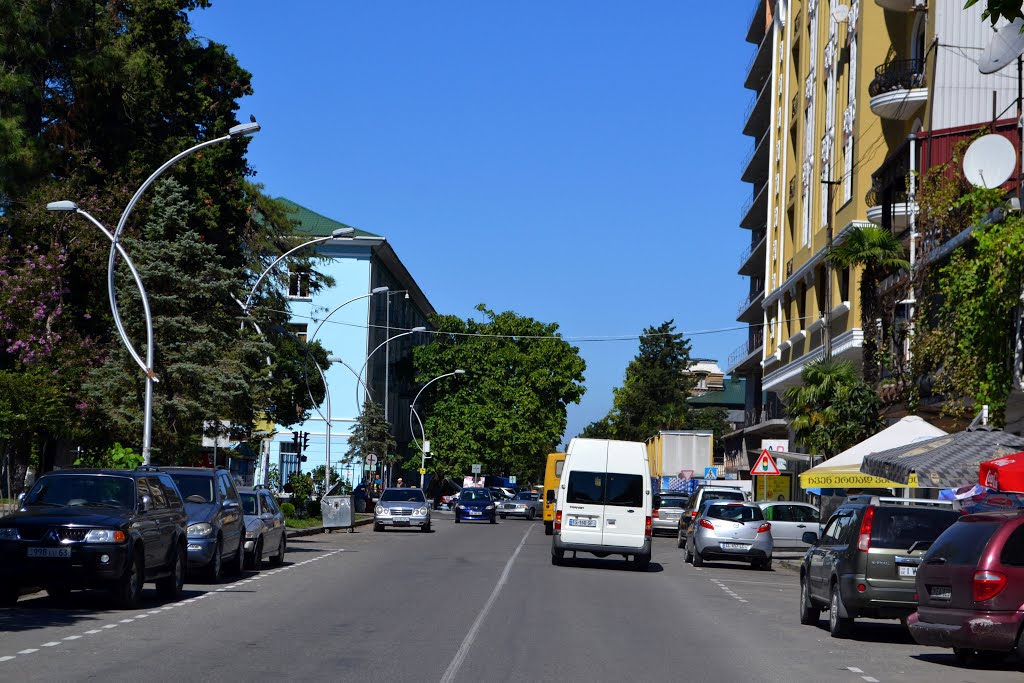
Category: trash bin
<point>338,512</point>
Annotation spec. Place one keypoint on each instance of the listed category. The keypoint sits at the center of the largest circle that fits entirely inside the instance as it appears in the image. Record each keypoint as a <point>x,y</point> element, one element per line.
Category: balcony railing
<point>761,144</point>
<point>772,409</point>
<point>899,74</point>
<point>758,291</point>
<point>874,198</point>
<point>756,238</point>
<point>753,343</point>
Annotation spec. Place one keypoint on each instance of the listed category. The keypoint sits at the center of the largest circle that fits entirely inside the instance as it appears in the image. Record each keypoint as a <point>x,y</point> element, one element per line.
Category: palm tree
<point>879,252</point>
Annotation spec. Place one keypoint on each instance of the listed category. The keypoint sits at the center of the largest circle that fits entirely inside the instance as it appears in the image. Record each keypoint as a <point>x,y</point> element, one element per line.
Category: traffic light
<point>305,440</point>
<point>295,439</point>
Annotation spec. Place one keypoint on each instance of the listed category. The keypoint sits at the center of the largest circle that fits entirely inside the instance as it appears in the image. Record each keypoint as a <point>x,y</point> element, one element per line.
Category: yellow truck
<point>552,475</point>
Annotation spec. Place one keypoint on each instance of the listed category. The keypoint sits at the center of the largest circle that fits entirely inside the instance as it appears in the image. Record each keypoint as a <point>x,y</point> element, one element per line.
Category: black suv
<point>216,522</point>
<point>865,563</point>
<point>112,529</point>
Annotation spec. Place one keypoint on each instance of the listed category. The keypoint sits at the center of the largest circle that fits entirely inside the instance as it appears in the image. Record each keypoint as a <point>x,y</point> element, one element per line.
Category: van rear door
<point>583,516</point>
<point>626,505</point>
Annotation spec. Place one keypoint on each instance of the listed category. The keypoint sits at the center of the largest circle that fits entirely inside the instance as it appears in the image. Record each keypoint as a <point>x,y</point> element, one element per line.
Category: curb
<point>294,533</point>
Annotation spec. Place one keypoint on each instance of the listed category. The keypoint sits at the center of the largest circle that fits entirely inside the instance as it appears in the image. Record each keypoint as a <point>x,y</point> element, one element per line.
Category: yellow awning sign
<point>848,478</point>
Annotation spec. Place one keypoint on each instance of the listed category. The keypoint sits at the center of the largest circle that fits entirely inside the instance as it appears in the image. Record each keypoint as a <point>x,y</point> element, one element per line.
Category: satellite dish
<point>840,13</point>
<point>1006,45</point>
<point>990,161</point>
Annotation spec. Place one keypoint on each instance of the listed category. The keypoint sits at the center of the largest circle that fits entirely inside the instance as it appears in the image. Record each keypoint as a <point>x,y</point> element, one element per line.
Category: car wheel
<point>254,560</point>
<point>680,541</point>
<point>530,514</point>
<point>688,557</point>
<point>377,527</point>
<point>557,557</point>
<point>808,613</point>
<point>425,528</point>
<point>213,569</point>
<point>278,560</point>
<point>128,588</point>
<point>457,520</point>
<point>698,559</point>
<point>170,587</point>
<point>494,519</point>
<point>965,655</point>
<point>642,563</point>
<point>549,528</point>
<point>838,626</point>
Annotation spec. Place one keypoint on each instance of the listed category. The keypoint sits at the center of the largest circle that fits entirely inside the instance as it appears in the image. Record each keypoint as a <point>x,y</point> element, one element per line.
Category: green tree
<point>371,435</point>
<point>880,254</point>
<point>508,411</point>
<point>999,9</point>
<point>832,408</point>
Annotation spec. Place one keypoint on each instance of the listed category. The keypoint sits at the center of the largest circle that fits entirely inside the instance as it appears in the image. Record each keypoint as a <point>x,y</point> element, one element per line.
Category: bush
<point>288,509</point>
<point>312,508</point>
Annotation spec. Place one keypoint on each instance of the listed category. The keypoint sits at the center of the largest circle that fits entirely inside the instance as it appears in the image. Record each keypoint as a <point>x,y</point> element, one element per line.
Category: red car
<point>970,587</point>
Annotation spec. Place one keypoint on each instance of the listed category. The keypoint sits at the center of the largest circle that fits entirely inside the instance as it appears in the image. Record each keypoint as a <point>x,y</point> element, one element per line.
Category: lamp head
<point>418,329</point>
<point>342,232</point>
<point>64,205</point>
<point>459,372</point>
<point>378,290</point>
<point>244,129</point>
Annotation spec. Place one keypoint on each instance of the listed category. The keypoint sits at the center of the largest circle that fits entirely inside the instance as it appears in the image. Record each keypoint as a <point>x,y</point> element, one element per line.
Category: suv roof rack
<point>147,468</point>
<point>866,499</point>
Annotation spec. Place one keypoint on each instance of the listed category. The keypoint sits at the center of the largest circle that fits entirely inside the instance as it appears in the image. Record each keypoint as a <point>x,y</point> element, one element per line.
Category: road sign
<point>476,468</point>
<point>711,473</point>
<point>423,470</point>
<point>511,480</point>
<point>765,465</point>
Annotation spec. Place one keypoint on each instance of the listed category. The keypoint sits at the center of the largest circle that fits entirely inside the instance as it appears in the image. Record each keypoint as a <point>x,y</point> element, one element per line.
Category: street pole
<point>412,411</point>
<point>385,345</point>
<point>147,430</point>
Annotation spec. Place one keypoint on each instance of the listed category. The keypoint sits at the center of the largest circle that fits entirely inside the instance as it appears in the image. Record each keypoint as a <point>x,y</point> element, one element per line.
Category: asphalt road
<point>467,602</point>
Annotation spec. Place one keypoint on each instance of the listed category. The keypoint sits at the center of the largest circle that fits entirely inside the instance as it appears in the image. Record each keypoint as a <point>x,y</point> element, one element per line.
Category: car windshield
<point>402,496</point>
<point>526,496</point>
<point>474,494</point>
<point>900,528</point>
<point>249,503</point>
<point>735,513</point>
<point>723,495</point>
<point>83,490</point>
<point>195,488</point>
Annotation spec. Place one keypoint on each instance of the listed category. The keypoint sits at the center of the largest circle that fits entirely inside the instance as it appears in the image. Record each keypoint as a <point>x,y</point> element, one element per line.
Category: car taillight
<point>764,527</point>
<point>988,585</point>
<point>707,525</point>
<point>693,515</point>
<point>647,528</point>
<point>558,520</point>
<point>654,514</point>
<point>864,542</point>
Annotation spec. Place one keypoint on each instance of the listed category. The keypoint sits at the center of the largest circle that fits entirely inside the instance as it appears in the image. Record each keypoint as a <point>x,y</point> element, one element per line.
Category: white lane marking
<point>94,631</point>
<point>29,651</point>
<point>869,679</point>
<point>72,638</point>
<point>127,621</point>
<point>110,626</point>
<point>7,658</point>
<point>467,642</point>
<point>855,670</point>
<point>52,643</point>
<point>760,583</point>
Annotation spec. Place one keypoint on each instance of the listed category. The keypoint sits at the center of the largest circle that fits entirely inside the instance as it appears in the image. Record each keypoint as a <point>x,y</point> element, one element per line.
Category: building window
<point>289,461</point>
<point>300,330</point>
<point>298,284</point>
<point>844,284</point>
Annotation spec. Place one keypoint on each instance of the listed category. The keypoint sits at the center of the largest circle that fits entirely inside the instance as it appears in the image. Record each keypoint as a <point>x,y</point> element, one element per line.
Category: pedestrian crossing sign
<point>765,465</point>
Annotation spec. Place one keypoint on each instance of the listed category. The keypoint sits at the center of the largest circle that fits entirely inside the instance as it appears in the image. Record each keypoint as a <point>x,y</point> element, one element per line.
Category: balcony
<point>899,89</point>
<point>758,23</point>
<point>747,355</point>
<point>899,208</point>
<point>757,117</point>
<point>889,204</point>
<point>754,213</point>
<point>899,5</point>
<point>749,309</point>
<point>760,68</point>
<point>752,258</point>
<point>755,166</point>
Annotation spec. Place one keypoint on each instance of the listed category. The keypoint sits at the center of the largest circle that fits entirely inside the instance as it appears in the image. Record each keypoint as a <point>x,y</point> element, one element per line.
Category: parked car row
<point>119,529</point>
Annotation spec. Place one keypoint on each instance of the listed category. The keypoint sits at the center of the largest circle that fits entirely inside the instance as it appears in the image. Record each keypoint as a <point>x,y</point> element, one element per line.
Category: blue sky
<point>575,161</point>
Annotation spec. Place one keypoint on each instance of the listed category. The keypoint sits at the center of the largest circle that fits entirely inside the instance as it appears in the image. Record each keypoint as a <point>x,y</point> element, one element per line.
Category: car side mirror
<point>145,504</point>
<point>551,496</point>
<point>21,500</point>
<point>230,505</point>
<point>268,516</point>
<point>810,538</point>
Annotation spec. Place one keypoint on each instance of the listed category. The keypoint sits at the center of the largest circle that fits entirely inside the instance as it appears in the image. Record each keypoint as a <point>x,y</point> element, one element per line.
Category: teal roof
<point>733,395</point>
<point>314,224</point>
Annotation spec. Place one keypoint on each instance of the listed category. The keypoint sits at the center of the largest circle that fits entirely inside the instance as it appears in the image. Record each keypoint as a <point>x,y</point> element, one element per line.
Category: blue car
<point>476,504</point>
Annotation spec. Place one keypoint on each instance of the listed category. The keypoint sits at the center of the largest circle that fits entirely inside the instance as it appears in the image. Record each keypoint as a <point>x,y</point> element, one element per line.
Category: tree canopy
<point>999,9</point>
<point>508,411</point>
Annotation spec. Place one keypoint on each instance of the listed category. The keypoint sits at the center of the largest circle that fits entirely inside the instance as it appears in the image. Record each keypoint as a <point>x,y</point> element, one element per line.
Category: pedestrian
<point>401,483</point>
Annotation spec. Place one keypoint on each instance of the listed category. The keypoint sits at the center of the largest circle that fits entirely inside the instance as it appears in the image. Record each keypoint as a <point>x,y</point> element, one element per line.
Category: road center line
<point>467,642</point>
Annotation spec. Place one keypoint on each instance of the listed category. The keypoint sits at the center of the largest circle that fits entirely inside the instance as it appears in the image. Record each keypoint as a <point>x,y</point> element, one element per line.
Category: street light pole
<point>387,350</point>
<point>412,411</point>
<point>147,430</point>
<point>375,350</point>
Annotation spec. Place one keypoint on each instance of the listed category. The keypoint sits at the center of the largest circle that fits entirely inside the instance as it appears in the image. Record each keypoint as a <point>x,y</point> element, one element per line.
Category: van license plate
<point>905,570</point>
<point>49,552</point>
<point>577,521</point>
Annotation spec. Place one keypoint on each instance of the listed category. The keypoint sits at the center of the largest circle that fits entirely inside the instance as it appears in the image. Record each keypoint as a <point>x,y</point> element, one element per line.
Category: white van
<point>604,501</point>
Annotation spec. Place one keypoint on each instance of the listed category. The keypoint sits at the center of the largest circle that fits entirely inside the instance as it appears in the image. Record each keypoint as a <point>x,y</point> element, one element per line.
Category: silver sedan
<point>729,530</point>
<point>525,504</point>
<point>402,508</point>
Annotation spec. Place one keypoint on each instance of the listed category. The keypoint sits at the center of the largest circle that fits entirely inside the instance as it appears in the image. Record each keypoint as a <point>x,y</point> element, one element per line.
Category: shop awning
<point>842,471</point>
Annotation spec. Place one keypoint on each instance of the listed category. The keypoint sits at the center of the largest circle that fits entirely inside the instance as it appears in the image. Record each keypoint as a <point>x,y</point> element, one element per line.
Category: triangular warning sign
<point>765,465</point>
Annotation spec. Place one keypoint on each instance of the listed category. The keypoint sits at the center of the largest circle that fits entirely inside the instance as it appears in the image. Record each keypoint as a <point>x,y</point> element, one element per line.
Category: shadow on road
<point>983,662</point>
<point>616,565</point>
<point>876,632</point>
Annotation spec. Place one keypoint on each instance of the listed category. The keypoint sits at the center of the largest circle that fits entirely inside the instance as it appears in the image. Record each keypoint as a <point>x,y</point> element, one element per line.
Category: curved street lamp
<point>412,411</point>
<point>375,290</point>
<point>147,430</point>
<point>375,350</point>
